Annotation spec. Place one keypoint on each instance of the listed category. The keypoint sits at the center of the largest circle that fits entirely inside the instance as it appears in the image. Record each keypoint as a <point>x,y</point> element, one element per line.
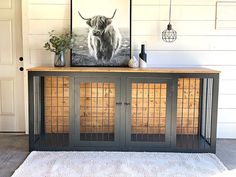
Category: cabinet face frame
<point>148,144</point>
<point>76,130</point>
<point>122,78</point>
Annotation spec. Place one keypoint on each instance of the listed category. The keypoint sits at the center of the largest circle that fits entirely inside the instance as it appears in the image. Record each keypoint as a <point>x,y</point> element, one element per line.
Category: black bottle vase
<point>142,57</point>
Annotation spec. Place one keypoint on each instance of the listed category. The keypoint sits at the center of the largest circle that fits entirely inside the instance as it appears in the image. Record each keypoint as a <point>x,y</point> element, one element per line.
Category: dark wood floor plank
<point>13,151</point>
<point>226,152</point>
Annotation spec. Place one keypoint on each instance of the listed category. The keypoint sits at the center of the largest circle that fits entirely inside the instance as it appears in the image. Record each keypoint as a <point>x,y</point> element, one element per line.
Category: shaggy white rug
<point>119,164</point>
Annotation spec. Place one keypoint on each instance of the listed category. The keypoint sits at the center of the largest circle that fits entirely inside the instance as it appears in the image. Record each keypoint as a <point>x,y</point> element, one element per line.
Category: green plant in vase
<point>59,44</point>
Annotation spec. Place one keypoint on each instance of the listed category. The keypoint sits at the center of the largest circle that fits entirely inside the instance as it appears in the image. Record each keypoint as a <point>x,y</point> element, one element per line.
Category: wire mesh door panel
<point>188,99</point>
<point>54,122</point>
<point>194,104</point>
<point>98,111</point>
<point>56,104</point>
<point>149,112</point>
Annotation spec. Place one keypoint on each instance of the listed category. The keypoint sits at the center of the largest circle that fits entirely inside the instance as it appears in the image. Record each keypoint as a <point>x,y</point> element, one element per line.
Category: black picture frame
<point>115,51</point>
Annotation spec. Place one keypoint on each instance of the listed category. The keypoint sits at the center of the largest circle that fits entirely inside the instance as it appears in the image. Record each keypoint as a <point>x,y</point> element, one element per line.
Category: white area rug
<point>119,164</point>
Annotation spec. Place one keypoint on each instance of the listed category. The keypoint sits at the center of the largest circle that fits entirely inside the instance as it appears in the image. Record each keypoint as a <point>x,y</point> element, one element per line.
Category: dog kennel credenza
<point>123,109</point>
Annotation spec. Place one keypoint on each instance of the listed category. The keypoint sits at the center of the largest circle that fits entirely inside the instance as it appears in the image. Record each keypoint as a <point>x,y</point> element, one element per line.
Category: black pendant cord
<point>170,11</point>
<point>169,35</point>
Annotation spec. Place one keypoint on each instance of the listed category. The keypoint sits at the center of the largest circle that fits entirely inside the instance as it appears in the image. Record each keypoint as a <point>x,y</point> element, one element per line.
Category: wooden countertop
<point>123,70</point>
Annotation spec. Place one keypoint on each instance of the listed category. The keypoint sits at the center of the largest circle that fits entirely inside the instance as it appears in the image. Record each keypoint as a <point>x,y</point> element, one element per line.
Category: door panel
<point>5,4</point>
<point>97,111</point>
<point>6,42</point>
<point>11,79</point>
<point>148,112</point>
<point>7,96</point>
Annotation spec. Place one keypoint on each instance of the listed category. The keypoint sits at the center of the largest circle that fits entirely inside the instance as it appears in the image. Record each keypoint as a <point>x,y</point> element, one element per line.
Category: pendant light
<point>169,35</point>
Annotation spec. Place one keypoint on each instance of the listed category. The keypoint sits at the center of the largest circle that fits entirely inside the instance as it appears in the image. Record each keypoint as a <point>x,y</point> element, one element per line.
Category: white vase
<point>133,62</point>
<point>142,63</point>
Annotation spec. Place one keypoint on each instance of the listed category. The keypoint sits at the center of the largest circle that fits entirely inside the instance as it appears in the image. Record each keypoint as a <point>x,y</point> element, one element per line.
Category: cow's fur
<point>104,38</point>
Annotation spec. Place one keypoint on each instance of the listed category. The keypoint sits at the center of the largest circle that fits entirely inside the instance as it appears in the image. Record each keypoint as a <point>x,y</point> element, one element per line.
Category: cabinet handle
<point>126,104</point>
<point>119,103</point>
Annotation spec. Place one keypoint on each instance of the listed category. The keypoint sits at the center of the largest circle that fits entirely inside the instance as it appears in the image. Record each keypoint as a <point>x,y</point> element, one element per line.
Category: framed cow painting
<point>103,29</point>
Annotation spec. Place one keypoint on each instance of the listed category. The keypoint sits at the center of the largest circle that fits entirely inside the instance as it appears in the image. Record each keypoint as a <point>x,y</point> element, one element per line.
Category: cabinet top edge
<point>124,70</point>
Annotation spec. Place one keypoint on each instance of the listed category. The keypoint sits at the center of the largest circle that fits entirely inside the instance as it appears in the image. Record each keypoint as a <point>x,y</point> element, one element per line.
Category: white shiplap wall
<point>198,43</point>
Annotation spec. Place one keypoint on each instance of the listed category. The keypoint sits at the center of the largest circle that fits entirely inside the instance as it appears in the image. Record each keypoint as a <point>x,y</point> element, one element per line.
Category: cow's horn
<point>113,15</point>
<point>83,17</point>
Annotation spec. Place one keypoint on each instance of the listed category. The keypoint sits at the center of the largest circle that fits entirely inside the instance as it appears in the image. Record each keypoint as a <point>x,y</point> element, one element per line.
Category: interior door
<point>148,116</point>
<point>11,78</point>
<point>97,110</point>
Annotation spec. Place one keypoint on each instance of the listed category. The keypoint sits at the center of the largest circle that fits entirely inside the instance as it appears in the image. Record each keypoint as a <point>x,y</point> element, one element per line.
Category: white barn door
<point>11,78</point>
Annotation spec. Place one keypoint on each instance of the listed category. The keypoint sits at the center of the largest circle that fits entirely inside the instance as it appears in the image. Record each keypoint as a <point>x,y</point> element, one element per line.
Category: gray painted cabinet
<point>123,111</point>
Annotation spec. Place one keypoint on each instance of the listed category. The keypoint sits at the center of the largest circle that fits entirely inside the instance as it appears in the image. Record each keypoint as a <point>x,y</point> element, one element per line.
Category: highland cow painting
<point>103,32</point>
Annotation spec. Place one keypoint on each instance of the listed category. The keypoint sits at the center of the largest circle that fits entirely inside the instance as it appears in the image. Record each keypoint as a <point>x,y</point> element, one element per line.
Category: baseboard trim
<point>12,133</point>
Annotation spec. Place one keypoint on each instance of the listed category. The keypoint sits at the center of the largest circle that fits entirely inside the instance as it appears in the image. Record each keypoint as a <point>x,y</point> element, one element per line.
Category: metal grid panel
<point>188,106</point>
<point>37,111</point>
<point>206,109</point>
<point>97,111</point>
<point>148,111</point>
<point>56,96</point>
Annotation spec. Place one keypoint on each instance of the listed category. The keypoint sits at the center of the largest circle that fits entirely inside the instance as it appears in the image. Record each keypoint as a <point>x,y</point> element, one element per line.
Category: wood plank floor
<point>14,149</point>
<point>226,152</point>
